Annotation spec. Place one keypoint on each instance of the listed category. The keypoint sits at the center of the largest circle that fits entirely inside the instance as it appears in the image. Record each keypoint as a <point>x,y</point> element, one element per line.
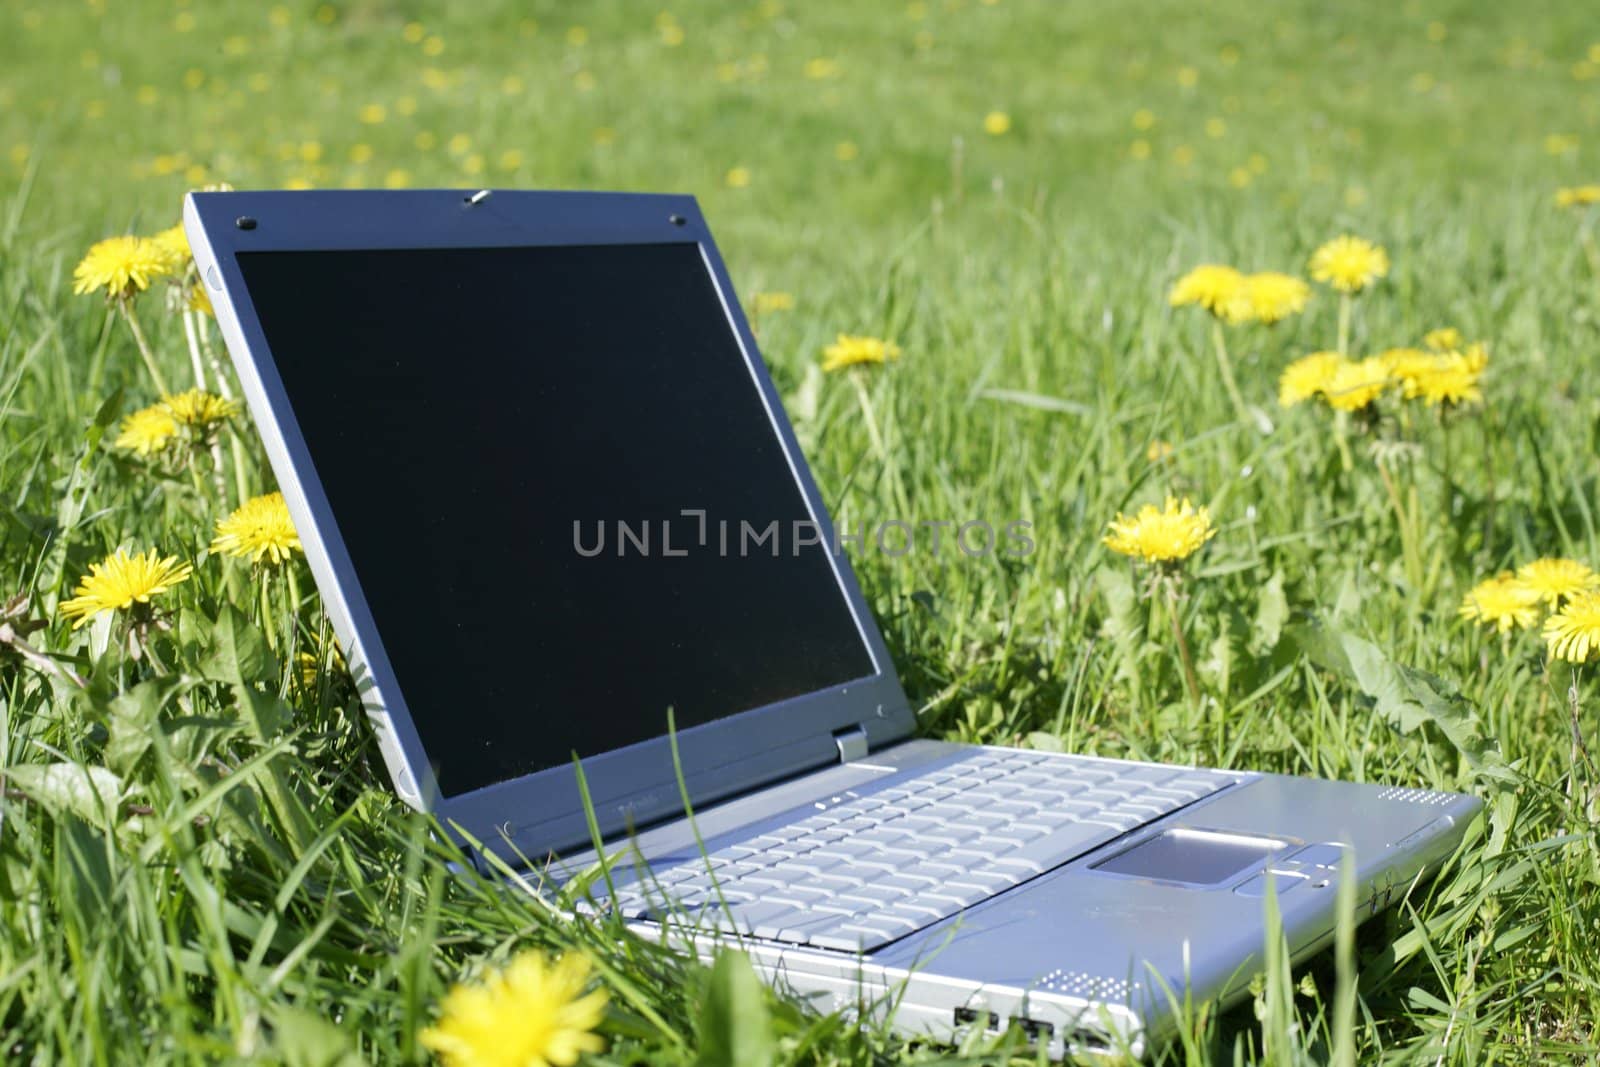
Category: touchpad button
<point>1193,857</point>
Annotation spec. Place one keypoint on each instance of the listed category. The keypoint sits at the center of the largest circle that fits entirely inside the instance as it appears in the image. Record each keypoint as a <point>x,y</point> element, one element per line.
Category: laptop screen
<point>566,505</point>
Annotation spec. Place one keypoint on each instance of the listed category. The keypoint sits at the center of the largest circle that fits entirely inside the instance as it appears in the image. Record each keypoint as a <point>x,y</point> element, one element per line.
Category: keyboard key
<point>1055,849</point>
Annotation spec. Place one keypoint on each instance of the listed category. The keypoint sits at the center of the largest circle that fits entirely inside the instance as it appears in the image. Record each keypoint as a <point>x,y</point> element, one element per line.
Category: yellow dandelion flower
<point>1502,602</point>
<point>766,303</point>
<point>737,177</point>
<point>1444,339</point>
<point>1553,580</point>
<point>1271,297</point>
<point>850,351</point>
<point>997,124</point>
<point>1448,378</point>
<point>1161,535</point>
<point>1407,366</point>
<point>1307,377</point>
<point>534,1013</point>
<point>148,430</point>
<point>1578,196</point>
<point>258,528</point>
<point>175,243</point>
<point>121,266</point>
<point>199,409</point>
<point>1349,264</point>
<point>1355,383</point>
<point>120,581</point>
<point>1210,285</point>
<point>1574,632</point>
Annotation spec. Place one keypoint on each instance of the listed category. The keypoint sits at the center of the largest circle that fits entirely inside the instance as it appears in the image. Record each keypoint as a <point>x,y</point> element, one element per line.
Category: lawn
<point>199,856</point>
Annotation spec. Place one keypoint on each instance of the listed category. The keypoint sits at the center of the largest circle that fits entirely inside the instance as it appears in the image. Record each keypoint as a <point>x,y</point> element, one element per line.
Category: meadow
<point>200,859</point>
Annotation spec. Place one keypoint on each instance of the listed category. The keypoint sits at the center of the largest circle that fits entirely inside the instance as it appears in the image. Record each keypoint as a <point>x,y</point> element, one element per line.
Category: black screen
<point>463,408</point>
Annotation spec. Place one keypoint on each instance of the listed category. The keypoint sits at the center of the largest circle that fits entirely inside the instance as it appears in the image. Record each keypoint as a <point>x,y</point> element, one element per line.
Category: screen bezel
<point>635,785</point>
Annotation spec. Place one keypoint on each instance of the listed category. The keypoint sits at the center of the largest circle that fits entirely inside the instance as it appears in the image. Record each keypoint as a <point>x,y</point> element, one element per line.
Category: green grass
<point>241,885</point>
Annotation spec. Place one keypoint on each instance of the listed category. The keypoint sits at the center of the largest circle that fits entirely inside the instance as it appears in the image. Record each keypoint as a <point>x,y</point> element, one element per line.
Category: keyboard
<point>874,864</point>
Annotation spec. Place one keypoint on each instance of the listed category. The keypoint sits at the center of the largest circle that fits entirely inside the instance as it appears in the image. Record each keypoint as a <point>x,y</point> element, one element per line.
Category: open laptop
<point>548,492</point>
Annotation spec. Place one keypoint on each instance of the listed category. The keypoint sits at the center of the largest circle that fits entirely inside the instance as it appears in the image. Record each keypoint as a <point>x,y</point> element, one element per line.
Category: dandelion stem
<point>126,307</point>
<point>1225,364</point>
<point>195,359</point>
<point>1345,305</point>
<point>864,398</point>
<point>1341,438</point>
<point>292,583</point>
<point>197,363</point>
<point>1574,705</point>
<point>1189,678</point>
<point>266,612</point>
<point>1408,547</point>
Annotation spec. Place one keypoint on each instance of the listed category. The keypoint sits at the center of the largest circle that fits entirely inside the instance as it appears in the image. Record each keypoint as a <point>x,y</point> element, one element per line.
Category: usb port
<point>972,1017</point>
<point>1089,1040</point>
<point>1033,1028</point>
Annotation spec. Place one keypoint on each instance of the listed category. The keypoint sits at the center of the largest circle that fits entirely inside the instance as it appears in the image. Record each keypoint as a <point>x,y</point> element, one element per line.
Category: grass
<point>215,869</point>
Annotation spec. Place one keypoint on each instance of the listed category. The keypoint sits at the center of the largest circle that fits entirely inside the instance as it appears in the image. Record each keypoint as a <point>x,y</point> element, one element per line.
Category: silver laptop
<point>549,494</point>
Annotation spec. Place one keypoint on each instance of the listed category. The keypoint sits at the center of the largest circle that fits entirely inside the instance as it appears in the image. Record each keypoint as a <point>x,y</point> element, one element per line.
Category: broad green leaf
<point>238,655</point>
<point>302,1039</point>
<point>1272,612</point>
<point>89,792</point>
<point>1125,623</point>
<point>1407,698</point>
<point>735,1025</point>
<point>133,716</point>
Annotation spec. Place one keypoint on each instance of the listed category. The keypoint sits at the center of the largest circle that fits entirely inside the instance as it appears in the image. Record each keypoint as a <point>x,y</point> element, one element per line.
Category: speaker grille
<point>1415,796</point>
<point>1087,986</point>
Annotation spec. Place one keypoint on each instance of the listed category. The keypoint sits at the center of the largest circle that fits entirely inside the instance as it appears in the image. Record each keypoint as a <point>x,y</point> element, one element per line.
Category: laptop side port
<point>1081,1040</point>
<point>973,1017</point>
<point>1034,1029</point>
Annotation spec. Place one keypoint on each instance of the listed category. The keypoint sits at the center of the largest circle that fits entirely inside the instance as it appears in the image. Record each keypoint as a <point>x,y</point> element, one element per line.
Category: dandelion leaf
<point>1407,698</point>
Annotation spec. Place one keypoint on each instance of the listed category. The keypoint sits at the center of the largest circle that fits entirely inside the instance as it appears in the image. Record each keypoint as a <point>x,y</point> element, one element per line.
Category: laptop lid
<point>548,491</point>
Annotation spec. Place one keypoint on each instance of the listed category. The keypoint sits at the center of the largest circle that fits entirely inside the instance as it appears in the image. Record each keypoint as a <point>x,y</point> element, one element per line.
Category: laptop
<point>549,495</point>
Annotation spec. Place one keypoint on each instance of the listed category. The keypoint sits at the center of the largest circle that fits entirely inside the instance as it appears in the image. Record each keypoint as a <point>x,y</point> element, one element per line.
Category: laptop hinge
<point>852,742</point>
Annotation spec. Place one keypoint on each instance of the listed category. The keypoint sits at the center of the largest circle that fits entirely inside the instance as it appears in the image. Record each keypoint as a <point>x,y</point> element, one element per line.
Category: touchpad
<point>1197,857</point>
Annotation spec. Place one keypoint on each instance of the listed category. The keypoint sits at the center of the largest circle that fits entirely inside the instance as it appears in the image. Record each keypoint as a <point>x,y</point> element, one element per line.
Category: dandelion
<point>1354,384</point>
<point>1444,339</point>
<point>1349,264</point>
<point>122,266</point>
<point>1211,286</point>
<point>1578,196</point>
<point>1307,377</point>
<point>147,431</point>
<point>997,124</point>
<point>1165,535</point>
<point>1503,602</point>
<point>851,351</point>
<point>737,177</point>
<point>1221,290</point>
<point>1553,580</point>
<point>533,1013</point>
<point>1448,378</point>
<point>259,528</point>
<point>1268,297</point>
<point>1573,632</point>
<point>199,409</point>
<point>121,581</point>
<point>174,242</point>
<point>766,303</point>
